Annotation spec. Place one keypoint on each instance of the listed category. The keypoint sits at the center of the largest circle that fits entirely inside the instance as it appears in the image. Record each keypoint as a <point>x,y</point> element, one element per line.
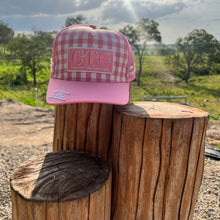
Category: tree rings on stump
<point>74,185</point>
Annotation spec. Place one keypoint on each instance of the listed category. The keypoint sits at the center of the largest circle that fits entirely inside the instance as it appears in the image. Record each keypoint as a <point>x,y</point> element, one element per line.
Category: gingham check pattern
<point>86,37</point>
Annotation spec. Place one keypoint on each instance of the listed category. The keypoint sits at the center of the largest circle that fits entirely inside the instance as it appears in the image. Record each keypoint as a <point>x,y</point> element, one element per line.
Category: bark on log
<point>84,127</point>
<point>157,157</point>
<point>62,185</point>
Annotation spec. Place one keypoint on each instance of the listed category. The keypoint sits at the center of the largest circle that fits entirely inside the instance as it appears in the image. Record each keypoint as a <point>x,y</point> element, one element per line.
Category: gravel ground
<point>11,158</point>
<point>208,203</point>
<point>207,207</point>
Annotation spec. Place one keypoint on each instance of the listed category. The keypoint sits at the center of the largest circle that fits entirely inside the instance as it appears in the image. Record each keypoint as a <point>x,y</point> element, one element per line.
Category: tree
<point>6,35</point>
<point>146,30</point>
<point>30,50</point>
<point>79,19</point>
<point>192,50</point>
<point>103,28</point>
<point>46,37</point>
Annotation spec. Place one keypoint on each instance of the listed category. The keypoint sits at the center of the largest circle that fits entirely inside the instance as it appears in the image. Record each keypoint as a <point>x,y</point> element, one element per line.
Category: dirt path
<point>25,125</point>
<point>27,131</point>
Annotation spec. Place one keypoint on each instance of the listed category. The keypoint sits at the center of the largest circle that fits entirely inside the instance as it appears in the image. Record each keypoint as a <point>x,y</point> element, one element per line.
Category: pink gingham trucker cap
<point>90,65</point>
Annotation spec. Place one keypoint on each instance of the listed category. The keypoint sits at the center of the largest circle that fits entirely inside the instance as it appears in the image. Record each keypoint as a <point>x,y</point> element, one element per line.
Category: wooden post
<point>62,185</point>
<point>83,127</point>
<point>157,157</point>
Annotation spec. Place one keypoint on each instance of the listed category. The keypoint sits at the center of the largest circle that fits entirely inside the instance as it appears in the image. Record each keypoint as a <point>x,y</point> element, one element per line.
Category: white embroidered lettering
<point>57,94</point>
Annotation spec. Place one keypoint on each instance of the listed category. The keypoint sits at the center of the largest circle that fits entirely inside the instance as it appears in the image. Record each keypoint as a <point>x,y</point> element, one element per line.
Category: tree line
<point>197,53</point>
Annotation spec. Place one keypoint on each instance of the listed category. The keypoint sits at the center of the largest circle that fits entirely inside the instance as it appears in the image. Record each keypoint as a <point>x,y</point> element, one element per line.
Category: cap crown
<point>84,53</point>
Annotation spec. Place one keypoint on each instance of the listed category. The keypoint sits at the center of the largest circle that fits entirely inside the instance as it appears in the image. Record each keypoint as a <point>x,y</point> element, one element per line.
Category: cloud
<point>89,4</point>
<point>200,15</point>
<point>112,8</point>
<point>115,11</point>
<point>176,18</point>
<point>27,7</point>
<point>38,22</point>
<point>133,10</point>
<point>48,7</point>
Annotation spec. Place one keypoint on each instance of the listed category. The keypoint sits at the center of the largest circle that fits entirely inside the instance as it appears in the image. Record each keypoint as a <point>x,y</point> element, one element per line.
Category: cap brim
<point>66,92</point>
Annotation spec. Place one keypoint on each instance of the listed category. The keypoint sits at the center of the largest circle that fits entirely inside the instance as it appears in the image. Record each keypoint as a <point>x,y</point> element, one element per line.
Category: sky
<point>176,18</point>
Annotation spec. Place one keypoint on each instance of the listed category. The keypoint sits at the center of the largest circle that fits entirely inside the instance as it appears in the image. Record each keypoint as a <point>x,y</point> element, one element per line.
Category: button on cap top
<point>92,26</point>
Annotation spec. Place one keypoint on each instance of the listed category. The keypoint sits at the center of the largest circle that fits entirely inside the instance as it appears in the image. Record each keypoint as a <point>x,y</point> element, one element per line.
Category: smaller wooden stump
<point>62,185</point>
<point>157,157</point>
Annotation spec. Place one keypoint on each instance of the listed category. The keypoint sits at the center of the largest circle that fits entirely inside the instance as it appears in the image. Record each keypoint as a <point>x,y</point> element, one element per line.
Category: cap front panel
<point>92,55</point>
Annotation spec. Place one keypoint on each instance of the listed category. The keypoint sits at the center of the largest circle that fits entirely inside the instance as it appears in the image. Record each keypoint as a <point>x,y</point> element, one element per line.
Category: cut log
<point>157,157</point>
<point>84,127</point>
<point>62,185</point>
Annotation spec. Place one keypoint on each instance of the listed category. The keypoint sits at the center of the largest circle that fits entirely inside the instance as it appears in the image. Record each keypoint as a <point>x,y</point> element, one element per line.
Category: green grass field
<point>26,95</point>
<point>157,80</point>
<point>24,92</point>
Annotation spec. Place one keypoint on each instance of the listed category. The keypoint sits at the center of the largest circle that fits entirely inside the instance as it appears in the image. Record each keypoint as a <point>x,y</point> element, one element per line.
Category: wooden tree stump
<point>62,185</point>
<point>157,157</point>
<point>83,127</point>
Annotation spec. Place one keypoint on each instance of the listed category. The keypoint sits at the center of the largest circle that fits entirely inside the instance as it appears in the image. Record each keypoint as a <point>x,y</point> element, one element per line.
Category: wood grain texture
<point>83,127</point>
<point>62,185</point>
<point>59,127</point>
<point>165,110</point>
<point>157,157</point>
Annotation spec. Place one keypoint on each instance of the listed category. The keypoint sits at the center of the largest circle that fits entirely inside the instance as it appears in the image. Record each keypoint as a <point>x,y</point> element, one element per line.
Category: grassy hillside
<point>157,80</point>
<point>25,95</point>
<point>12,85</point>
